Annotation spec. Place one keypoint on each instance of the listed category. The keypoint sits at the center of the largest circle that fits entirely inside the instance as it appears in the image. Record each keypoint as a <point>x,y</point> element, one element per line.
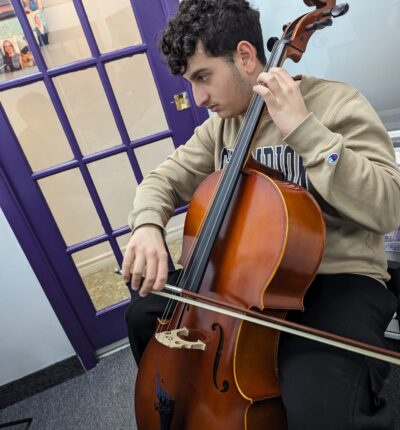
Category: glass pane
<point>36,125</point>
<point>64,40</point>
<point>16,58</point>
<point>71,205</point>
<point>96,265</point>
<point>116,186</point>
<point>123,241</point>
<point>137,96</point>
<point>151,155</point>
<point>174,237</point>
<point>113,24</point>
<point>37,19</point>
<point>86,105</point>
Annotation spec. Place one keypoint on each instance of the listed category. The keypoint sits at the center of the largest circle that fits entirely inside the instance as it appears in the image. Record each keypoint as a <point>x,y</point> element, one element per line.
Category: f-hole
<point>225,383</point>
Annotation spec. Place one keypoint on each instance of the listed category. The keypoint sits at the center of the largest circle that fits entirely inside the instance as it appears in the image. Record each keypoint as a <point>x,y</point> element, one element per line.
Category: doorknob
<point>182,101</point>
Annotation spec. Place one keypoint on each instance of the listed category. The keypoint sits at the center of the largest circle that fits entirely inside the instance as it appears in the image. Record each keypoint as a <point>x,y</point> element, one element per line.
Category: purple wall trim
<point>110,97</point>
<point>100,155</point>
<point>87,244</point>
<point>150,139</point>
<point>56,169</point>
<point>73,67</point>
<point>21,81</point>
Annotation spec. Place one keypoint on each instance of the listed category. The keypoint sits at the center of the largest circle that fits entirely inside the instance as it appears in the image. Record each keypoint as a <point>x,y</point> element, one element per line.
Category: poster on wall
<point>15,54</point>
<point>37,20</point>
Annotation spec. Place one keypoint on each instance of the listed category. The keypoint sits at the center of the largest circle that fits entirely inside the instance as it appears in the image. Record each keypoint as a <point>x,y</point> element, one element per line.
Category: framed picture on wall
<point>37,19</point>
<point>15,54</point>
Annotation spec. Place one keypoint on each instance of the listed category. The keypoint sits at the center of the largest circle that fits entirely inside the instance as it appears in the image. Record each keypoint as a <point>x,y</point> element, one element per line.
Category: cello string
<point>252,115</point>
<point>201,251</point>
<point>392,357</point>
<point>240,150</point>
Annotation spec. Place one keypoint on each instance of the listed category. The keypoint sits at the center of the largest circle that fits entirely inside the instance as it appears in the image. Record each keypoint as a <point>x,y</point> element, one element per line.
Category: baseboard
<point>113,348</point>
<point>35,383</point>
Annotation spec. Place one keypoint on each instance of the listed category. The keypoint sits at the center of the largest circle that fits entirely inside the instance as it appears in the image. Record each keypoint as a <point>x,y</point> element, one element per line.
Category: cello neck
<point>291,45</point>
<point>196,266</point>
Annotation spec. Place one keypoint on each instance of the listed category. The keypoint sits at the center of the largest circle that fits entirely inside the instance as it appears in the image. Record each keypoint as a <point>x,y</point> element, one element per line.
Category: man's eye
<point>202,78</point>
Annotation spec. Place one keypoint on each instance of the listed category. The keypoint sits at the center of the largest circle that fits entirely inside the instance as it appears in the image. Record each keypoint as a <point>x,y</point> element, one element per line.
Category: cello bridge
<point>172,339</point>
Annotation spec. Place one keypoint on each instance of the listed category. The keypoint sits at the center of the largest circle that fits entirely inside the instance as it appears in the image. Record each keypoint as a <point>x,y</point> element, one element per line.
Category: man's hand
<point>283,97</point>
<point>146,255</point>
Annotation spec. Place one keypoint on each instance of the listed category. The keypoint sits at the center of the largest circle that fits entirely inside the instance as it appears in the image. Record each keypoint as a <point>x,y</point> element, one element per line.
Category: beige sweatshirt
<point>341,153</point>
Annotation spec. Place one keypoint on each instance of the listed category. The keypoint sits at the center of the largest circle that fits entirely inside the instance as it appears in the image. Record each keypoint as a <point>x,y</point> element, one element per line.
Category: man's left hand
<point>283,97</point>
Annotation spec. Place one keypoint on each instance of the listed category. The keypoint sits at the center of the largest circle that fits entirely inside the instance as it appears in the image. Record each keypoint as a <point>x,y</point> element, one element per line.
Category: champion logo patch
<point>332,158</point>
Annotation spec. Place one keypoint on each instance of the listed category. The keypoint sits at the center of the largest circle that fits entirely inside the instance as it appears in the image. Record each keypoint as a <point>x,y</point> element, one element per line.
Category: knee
<point>137,317</point>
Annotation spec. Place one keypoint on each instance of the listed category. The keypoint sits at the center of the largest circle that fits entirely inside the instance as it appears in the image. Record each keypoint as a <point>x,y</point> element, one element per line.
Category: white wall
<point>361,48</point>
<point>31,337</point>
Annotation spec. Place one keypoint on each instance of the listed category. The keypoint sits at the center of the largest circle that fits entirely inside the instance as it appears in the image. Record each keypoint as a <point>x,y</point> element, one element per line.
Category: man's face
<point>218,85</point>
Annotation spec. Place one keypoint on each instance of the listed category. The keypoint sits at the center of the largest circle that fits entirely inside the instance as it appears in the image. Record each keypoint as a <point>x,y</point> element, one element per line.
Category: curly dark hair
<point>219,24</point>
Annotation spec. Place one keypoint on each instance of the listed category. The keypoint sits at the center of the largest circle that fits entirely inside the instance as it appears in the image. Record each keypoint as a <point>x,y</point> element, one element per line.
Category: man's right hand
<point>146,256</point>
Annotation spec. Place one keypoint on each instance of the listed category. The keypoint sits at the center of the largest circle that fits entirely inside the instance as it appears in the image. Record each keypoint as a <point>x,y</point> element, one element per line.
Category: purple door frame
<point>25,207</point>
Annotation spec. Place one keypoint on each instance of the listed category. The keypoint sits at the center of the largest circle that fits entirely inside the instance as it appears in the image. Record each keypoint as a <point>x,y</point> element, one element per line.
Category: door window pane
<point>116,186</point>
<point>65,39</point>
<point>123,241</point>
<point>113,24</point>
<point>151,155</point>
<point>16,58</point>
<point>174,237</point>
<point>137,96</point>
<point>36,125</point>
<point>96,266</point>
<point>71,205</point>
<point>86,105</point>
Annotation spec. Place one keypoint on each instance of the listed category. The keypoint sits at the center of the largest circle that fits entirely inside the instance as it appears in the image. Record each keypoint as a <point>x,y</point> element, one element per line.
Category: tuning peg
<point>271,43</point>
<point>320,23</point>
<point>340,10</point>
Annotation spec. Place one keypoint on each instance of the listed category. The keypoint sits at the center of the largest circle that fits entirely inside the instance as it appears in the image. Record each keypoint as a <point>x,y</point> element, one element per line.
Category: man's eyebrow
<point>196,73</point>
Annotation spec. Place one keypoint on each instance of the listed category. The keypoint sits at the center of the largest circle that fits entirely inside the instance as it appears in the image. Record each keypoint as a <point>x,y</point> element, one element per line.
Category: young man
<point>321,134</point>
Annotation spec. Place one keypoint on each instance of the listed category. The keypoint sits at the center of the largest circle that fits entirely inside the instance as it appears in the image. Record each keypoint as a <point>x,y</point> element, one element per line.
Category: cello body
<point>265,257</point>
<point>254,242</point>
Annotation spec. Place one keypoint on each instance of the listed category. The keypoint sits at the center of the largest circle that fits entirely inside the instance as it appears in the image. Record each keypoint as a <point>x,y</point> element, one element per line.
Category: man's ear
<point>246,55</point>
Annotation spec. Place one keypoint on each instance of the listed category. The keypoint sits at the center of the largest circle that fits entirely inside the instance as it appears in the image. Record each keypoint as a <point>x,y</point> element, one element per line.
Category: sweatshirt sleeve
<point>173,182</point>
<point>351,163</point>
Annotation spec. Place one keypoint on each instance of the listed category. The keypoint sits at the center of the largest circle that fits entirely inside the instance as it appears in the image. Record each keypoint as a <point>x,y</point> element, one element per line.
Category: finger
<point>137,271</point>
<point>265,93</point>
<point>282,74</point>
<point>286,81</point>
<point>162,273</point>
<point>151,273</point>
<point>127,264</point>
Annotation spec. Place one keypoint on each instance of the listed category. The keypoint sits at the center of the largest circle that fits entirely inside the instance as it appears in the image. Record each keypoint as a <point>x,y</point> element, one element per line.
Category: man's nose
<point>200,96</point>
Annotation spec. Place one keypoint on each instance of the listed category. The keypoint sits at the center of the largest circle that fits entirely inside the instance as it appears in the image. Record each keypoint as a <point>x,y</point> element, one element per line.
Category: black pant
<point>323,388</point>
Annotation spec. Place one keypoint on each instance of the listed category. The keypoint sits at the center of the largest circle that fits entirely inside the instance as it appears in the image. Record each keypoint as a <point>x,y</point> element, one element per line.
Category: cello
<point>202,368</point>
